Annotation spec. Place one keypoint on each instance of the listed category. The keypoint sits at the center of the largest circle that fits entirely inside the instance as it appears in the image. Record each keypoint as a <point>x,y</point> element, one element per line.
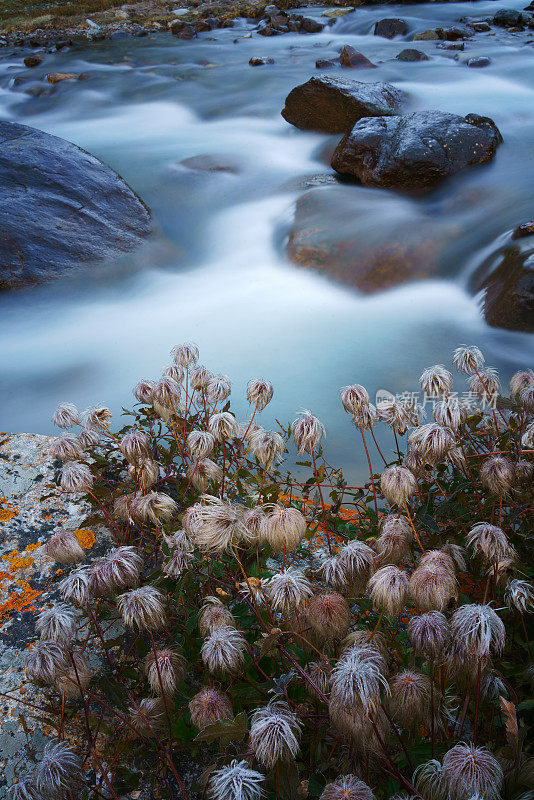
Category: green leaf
<point>226,730</point>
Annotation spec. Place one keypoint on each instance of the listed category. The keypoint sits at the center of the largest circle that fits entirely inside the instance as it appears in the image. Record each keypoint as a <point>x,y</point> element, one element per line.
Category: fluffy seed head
<point>485,384</point>
<point>497,474</point>
<point>252,520</point>
<point>430,634</point>
<point>519,595</point>
<point>389,589</point>
<point>44,661</point>
<point>431,442</point>
<point>328,615</point>
<point>200,443</point>
<point>366,418</point>
<point>223,651</point>
<point>199,377</point>
<point>167,398</point>
<point>468,359</point>
<point>334,573</point>
<point>74,588</point>
<point>283,528</point>
<point>409,698</point>
<point>259,393</point>
<point>203,471</point>
<point>478,629</point>
<point>24,789</point>
<point>210,706</point>
<point>358,561</point>
<point>521,380</point>
<point>355,399</point>
<point>275,733</point>
<point>214,614</point>
<point>214,525</point>
<point>185,354</point>
<point>394,414</point>
<point>223,426</point>
<point>469,770</point>
<point>173,371</point>
<point>97,418</point>
<point>307,432</point>
<point>428,780</point>
<point>457,553</point>
<point>432,587</point>
<point>526,399</point>
<point>396,535</point>
<point>235,782</point>
<point>74,677</point>
<point>89,438</point>
<point>219,388</point>
<point>320,673</point>
<point>59,771</point>
<point>528,437</point>
<point>143,608</point>
<point>164,669</point>
<point>398,485</point>
<point>56,624</point>
<point>135,446</point>
<point>66,416</point>
<point>67,448</point>
<point>118,569</point>
<point>179,561</point>
<point>145,472</point>
<point>489,542</point>
<point>268,447</point>
<point>348,787</point>
<point>288,590</point>
<point>144,391</point>
<point>436,381</point>
<point>450,413</point>
<point>155,507</point>
<point>75,477</point>
<point>357,679</point>
<point>64,547</point>
<point>148,716</point>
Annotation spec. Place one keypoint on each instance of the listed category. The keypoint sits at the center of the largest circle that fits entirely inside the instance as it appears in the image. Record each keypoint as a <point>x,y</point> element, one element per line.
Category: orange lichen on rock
<point>86,538</point>
<point>18,601</point>
<point>16,561</point>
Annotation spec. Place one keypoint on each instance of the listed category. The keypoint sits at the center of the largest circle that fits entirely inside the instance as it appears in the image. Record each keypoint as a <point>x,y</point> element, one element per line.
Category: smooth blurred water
<point>216,271</point>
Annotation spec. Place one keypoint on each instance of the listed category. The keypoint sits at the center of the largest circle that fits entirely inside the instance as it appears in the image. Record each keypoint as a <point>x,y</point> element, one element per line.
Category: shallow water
<point>216,270</point>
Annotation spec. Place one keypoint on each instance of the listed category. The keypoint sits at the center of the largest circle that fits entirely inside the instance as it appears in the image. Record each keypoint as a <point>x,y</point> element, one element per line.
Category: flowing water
<point>216,271</point>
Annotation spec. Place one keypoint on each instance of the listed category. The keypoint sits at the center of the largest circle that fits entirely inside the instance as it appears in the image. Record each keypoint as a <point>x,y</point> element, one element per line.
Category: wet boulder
<point>390,27</point>
<point>480,61</point>
<point>334,105</point>
<point>506,283</point>
<point>411,54</point>
<point>417,151</point>
<point>366,239</point>
<point>525,229</point>
<point>510,18</point>
<point>349,57</point>
<point>60,208</point>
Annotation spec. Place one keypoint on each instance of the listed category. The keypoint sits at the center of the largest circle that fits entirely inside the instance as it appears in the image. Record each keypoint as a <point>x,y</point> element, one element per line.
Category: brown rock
<point>507,283</point>
<point>334,105</point>
<point>349,57</point>
<point>525,229</point>
<point>390,27</point>
<point>56,77</point>
<point>32,61</point>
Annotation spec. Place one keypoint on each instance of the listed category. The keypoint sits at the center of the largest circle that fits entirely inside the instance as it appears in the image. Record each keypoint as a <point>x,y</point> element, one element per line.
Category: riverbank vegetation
<point>282,632</point>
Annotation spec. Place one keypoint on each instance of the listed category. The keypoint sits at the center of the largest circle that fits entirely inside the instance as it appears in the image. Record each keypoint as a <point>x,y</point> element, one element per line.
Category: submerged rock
<point>510,18</point>
<point>410,54</point>
<point>417,151</point>
<point>481,61</point>
<point>506,281</point>
<point>334,105</point>
<point>60,208</point>
<point>349,57</point>
<point>390,27</point>
<point>260,61</point>
<point>525,229</point>
<point>32,61</point>
<point>57,77</point>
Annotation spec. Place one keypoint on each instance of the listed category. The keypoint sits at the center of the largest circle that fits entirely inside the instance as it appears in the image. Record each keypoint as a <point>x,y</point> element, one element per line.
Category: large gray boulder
<point>417,151</point>
<point>60,208</point>
<point>334,105</point>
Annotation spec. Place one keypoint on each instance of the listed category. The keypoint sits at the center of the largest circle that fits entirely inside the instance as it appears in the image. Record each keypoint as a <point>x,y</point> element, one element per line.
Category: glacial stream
<point>216,270</point>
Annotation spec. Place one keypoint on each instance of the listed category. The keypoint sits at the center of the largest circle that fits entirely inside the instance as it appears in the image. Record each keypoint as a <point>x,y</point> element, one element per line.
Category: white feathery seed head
<point>288,590</point>
<point>214,525</point>
<point>165,669</point>
<point>173,371</point>
<point>219,388</point>
<point>67,448</point>
<point>526,399</point>
<point>388,588</point>
<point>394,414</point>
<point>355,399</point>
<point>347,787</point>
<point>431,442</point>
<point>167,398</point>
<point>74,588</point>
<point>24,789</point>
<point>185,355</point>
<point>490,542</point>
<point>44,661</point>
<point>143,391</point>
<point>199,377</point>
<point>57,623</point>
<point>436,381</point>
<point>97,418</point>
<point>398,485</point>
<point>74,678</point>
<point>59,771</point>
<point>66,416</point>
<point>214,614</point>
<point>358,561</point>
<point>307,432</point>
<point>519,596</point>
<point>430,634</point>
<point>468,770</point>
<point>64,547</point>
<point>468,359</point>
<point>428,780</point>
<point>202,472</point>
<point>143,608</point>
<point>223,651</point>
<point>358,678</point>
<point>209,706</point>
<point>478,629</point>
<point>432,587</point>
<point>200,444</point>
<point>135,446</point>
<point>235,782</point>
<point>259,393</point>
<point>521,380</point>
<point>119,569</point>
<point>148,717</point>
<point>497,474</point>
<point>450,413</point>
<point>527,441</point>
<point>75,477</point>
<point>283,528</point>
<point>409,698</point>
<point>275,734</point>
<point>485,384</point>
<point>268,447</point>
<point>395,538</point>
<point>328,615</point>
<point>223,426</point>
<point>155,507</point>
